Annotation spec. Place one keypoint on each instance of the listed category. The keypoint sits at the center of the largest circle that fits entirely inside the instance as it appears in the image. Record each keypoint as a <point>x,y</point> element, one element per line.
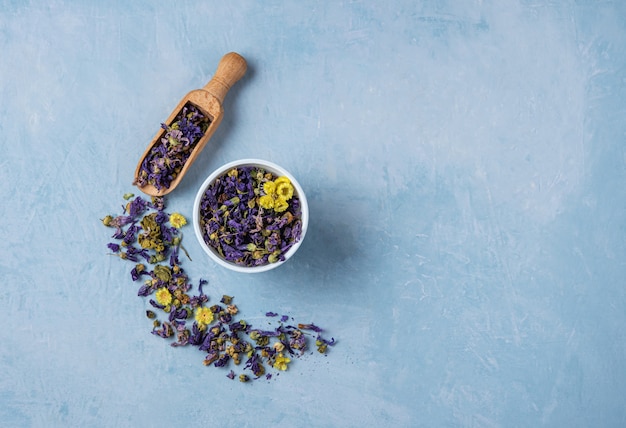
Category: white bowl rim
<point>271,167</point>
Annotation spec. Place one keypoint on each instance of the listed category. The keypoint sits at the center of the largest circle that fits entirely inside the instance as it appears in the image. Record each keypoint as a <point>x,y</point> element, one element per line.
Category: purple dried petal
<point>222,361</point>
<point>174,260</point>
<point>144,291</point>
<point>298,342</point>
<point>201,284</point>
<point>165,331</point>
<point>178,314</point>
<point>137,207</point>
<point>133,251</point>
<point>231,253</point>
<point>113,247</point>
<point>156,305</point>
<point>197,336</point>
<point>330,342</point>
<point>207,342</point>
<point>130,256</point>
<point>310,327</point>
<point>161,218</point>
<point>269,333</point>
<point>254,363</point>
<point>136,273</point>
<point>131,234</point>
<point>158,203</point>
<point>238,326</point>
<point>120,221</point>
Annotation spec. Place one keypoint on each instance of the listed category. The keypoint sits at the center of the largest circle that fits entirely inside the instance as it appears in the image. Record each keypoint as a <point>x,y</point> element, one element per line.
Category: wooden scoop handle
<point>231,68</point>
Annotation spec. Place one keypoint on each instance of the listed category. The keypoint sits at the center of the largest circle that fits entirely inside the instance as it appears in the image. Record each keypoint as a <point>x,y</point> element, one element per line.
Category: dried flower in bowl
<point>250,215</point>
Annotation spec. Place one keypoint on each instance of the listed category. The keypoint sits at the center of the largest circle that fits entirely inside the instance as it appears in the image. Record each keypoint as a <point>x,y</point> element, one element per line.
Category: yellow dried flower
<point>163,296</point>
<point>284,190</point>
<point>266,201</point>
<point>269,187</point>
<point>204,316</point>
<point>280,205</point>
<point>177,220</point>
<point>281,362</point>
<point>282,179</point>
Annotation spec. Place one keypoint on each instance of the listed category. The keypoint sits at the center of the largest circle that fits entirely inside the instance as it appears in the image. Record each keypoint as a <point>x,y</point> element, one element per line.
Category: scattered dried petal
<point>146,232</point>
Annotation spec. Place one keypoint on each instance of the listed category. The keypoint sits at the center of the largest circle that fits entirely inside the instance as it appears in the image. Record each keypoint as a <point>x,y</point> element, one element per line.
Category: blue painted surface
<point>464,163</point>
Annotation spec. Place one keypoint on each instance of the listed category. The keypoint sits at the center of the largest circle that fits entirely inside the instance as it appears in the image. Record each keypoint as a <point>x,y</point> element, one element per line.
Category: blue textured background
<point>465,164</point>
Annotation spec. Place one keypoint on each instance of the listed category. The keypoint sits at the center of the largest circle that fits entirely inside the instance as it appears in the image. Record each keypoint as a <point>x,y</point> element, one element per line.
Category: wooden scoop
<point>209,101</point>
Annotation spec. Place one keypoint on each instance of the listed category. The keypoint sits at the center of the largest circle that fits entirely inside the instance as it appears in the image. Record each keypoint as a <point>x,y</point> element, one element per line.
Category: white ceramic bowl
<point>269,167</point>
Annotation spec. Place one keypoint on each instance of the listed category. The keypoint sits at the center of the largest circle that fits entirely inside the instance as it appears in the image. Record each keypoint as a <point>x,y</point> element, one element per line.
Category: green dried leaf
<point>164,273</point>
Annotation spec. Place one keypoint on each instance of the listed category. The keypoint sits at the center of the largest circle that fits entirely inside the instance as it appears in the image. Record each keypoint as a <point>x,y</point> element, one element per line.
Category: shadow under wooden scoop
<point>209,101</point>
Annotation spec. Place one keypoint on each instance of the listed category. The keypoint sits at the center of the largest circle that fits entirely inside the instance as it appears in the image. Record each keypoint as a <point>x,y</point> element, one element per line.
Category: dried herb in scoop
<point>166,158</point>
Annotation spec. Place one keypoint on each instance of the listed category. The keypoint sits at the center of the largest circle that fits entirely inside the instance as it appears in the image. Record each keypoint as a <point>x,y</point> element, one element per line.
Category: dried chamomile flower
<point>177,220</point>
<point>204,316</point>
<point>284,192</point>
<point>163,296</point>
